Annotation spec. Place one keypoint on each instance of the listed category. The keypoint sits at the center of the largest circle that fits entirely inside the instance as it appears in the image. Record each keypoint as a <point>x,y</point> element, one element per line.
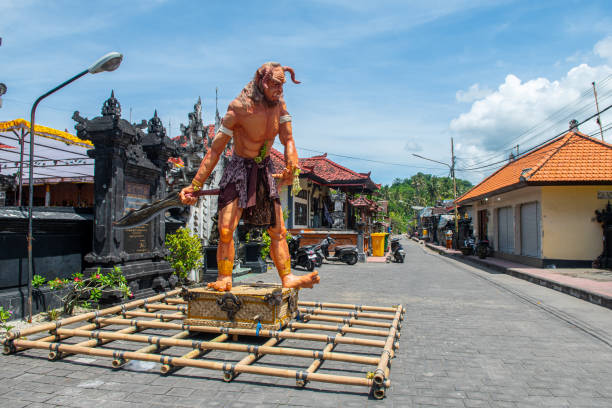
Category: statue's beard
<point>270,103</point>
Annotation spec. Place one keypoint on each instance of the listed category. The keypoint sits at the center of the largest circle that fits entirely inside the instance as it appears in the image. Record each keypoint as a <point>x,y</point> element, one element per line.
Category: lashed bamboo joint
<point>158,323</point>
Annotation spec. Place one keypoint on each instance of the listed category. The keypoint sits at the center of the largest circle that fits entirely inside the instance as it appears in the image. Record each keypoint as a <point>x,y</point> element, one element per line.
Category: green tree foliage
<point>419,190</point>
<point>185,252</point>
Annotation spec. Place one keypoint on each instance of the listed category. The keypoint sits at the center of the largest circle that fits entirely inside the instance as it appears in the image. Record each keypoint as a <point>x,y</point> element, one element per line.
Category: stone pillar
<point>361,256</point>
<point>338,216</point>
<point>125,178</point>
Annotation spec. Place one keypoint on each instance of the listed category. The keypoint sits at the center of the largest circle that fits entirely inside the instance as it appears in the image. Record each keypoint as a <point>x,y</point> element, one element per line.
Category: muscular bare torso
<point>252,129</point>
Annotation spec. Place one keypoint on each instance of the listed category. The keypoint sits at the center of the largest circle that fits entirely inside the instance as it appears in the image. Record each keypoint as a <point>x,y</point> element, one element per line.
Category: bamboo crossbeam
<point>95,343</point>
<point>14,334</point>
<point>118,362</point>
<point>245,332</point>
<point>54,355</point>
<point>160,306</point>
<point>357,315</point>
<point>207,345</point>
<point>339,328</point>
<point>176,301</point>
<point>252,357</point>
<point>379,373</point>
<point>351,321</point>
<point>160,316</point>
<point>211,365</point>
<point>166,368</point>
<point>348,306</point>
<point>317,362</point>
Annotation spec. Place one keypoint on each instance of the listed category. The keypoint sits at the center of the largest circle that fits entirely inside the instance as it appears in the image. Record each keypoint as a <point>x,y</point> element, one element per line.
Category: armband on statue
<point>284,118</point>
<point>225,130</point>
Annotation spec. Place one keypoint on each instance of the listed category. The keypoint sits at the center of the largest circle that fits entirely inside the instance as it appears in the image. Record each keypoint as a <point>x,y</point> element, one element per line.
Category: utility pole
<point>456,235</point>
<point>452,171</point>
<point>598,118</point>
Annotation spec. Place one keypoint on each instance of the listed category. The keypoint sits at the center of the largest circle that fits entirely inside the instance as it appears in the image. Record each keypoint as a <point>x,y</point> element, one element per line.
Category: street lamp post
<point>452,171</point>
<point>108,62</point>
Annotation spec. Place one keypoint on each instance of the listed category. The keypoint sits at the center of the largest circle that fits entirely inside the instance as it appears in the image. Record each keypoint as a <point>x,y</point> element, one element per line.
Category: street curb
<point>598,299</point>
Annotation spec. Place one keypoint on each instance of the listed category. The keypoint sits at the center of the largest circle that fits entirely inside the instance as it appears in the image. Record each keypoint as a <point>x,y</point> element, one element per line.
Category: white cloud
<point>472,94</point>
<point>604,48</point>
<point>527,112</point>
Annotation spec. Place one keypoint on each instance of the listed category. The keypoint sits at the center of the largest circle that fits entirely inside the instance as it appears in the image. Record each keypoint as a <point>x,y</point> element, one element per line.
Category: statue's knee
<point>277,234</point>
<point>226,235</point>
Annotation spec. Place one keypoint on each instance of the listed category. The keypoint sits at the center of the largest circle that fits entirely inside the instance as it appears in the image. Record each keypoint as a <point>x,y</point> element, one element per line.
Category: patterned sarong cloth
<point>254,187</point>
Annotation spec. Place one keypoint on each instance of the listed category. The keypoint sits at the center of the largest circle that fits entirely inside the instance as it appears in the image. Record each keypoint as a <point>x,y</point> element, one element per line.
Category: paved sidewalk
<point>593,285</point>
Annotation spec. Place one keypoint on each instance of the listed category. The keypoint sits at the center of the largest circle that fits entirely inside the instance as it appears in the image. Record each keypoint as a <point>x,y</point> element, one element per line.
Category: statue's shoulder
<point>238,107</point>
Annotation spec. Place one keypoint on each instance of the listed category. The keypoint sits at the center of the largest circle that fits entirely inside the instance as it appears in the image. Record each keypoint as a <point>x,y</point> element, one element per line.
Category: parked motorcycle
<point>469,246</point>
<point>316,248</point>
<point>397,251</point>
<point>483,249</point>
<point>303,257</point>
<point>343,253</point>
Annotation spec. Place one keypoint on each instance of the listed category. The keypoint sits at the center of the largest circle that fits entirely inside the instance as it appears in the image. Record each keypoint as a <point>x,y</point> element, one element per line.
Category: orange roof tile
<point>573,158</point>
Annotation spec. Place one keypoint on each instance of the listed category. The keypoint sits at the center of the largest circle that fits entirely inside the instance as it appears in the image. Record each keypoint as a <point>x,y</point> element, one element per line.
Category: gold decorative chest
<point>246,305</point>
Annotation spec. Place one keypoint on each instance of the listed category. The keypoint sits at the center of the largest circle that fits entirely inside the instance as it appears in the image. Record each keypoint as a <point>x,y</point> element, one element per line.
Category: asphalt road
<point>470,338</point>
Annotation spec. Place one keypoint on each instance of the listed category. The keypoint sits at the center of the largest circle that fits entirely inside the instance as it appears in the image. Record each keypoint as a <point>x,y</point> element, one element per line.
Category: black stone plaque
<point>137,240</point>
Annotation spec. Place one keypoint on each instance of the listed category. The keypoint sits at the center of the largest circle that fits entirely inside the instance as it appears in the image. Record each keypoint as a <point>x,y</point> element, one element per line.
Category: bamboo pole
<point>119,362</point>
<point>356,315</point>
<point>14,334</point>
<point>379,373</point>
<point>339,328</point>
<point>176,301</point>
<point>211,365</point>
<point>56,355</point>
<point>207,345</point>
<point>179,308</point>
<point>167,368</point>
<point>244,332</point>
<point>348,306</point>
<point>252,357</point>
<point>160,316</point>
<point>55,337</point>
<point>351,321</point>
<point>317,362</point>
<point>95,343</point>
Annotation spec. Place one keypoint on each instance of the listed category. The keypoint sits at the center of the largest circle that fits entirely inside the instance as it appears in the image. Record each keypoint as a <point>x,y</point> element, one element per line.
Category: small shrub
<point>5,315</point>
<point>38,281</point>
<point>185,252</point>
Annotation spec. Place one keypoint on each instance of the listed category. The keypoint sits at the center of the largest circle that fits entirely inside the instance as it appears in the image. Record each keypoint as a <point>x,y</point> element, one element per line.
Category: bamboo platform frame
<point>129,323</point>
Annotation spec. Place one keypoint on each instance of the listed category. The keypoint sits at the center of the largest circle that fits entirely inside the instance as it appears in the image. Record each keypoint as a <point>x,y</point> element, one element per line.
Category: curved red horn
<point>290,70</point>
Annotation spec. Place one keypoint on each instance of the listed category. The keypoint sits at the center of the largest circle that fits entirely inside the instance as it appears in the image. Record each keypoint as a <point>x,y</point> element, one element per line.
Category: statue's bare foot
<point>304,281</point>
<point>223,284</point>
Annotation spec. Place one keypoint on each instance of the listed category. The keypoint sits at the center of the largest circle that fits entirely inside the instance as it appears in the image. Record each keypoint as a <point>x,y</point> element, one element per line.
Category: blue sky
<point>380,80</point>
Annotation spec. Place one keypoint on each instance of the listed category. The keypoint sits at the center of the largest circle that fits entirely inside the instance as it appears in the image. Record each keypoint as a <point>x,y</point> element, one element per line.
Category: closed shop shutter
<point>530,230</point>
<point>505,236</point>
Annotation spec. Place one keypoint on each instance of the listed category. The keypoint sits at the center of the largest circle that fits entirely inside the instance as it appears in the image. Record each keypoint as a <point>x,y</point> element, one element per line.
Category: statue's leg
<point>279,252</point>
<point>228,220</point>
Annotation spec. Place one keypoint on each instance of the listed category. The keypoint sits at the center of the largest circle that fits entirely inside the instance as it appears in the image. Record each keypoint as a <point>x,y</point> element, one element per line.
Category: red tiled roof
<point>573,158</point>
<point>325,171</point>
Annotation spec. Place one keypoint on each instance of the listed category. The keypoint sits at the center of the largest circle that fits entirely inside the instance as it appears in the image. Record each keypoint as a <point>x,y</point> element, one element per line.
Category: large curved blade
<point>149,211</point>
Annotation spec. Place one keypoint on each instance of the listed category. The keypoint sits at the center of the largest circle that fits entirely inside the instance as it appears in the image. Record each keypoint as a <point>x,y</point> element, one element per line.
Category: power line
<point>542,143</point>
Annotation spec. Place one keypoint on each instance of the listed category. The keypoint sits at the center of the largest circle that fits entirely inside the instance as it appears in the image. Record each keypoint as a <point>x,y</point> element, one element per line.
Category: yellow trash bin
<point>378,243</point>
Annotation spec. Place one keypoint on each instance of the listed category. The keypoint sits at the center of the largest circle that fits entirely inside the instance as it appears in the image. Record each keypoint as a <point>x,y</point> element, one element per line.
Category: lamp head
<point>109,62</point>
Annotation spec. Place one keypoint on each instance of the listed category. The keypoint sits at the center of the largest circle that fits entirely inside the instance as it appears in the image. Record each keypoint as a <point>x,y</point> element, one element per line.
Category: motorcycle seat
<point>340,247</point>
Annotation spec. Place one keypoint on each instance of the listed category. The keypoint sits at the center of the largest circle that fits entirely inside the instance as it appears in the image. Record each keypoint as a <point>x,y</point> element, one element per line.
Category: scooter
<point>304,256</point>
<point>344,253</point>
<point>316,248</point>
<point>483,249</point>
<point>397,251</point>
<point>469,246</point>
